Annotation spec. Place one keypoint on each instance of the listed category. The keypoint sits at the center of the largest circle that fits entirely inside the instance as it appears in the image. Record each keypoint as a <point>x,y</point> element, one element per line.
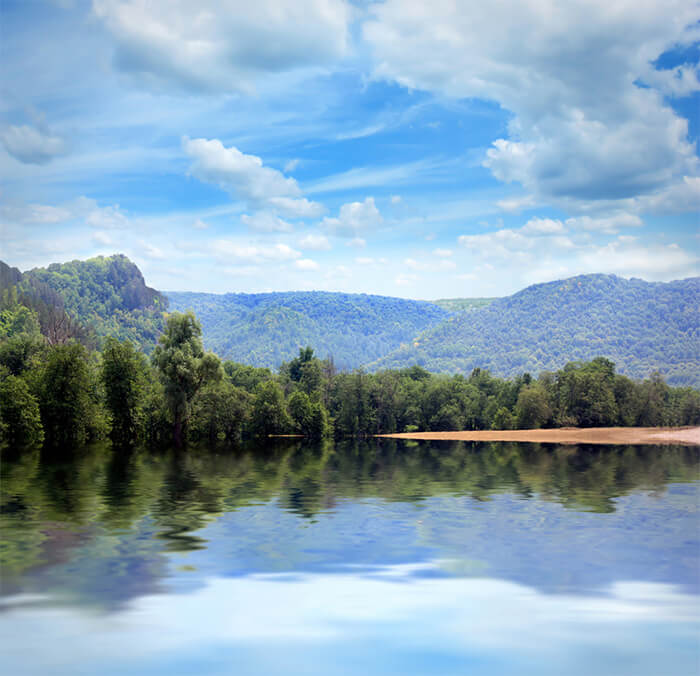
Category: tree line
<point>65,393</point>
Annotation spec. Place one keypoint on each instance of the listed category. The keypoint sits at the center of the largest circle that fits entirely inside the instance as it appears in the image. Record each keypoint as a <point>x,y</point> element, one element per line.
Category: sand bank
<point>688,436</point>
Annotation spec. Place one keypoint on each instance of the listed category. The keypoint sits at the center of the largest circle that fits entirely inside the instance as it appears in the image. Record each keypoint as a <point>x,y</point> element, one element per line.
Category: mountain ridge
<point>642,326</point>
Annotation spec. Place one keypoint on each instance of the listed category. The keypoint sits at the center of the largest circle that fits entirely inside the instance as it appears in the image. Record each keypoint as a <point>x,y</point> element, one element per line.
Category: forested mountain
<point>103,296</point>
<point>265,329</point>
<point>462,304</point>
<point>643,327</point>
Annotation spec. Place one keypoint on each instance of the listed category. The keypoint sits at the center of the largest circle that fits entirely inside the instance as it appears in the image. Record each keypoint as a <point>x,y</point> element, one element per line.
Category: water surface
<point>379,558</point>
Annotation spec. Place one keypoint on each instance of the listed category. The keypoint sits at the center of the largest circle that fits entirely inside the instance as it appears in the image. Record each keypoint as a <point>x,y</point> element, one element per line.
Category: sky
<point>455,148</point>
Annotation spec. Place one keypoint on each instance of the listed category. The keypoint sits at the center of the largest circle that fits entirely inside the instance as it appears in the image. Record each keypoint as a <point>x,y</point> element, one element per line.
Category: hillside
<point>462,304</point>
<point>266,329</point>
<point>641,326</point>
<point>108,296</point>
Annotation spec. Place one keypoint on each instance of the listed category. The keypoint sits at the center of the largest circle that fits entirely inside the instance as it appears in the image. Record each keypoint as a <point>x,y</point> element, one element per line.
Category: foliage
<point>184,367</point>
<point>20,421</point>
<point>268,329</point>
<point>269,414</point>
<point>104,296</point>
<point>463,304</point>
<point>220,412</point>
<point>123,376</point>
<point>67,394</point>
<point>641,326</point>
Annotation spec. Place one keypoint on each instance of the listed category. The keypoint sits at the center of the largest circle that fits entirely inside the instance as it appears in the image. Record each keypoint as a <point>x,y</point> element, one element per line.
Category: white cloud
<point>199,224</point>
<point>222,45</point>
<point>543,226</point>
<point>107,218</point>
<point>102,238</point>
<point>405,279</point>
<point>235,251</point>
<point>508,242</point>
<point>583,129</point>
<point>627,258</point>
<point>298,208</point>
<point>442,253</point>
<point>150,251</point>
<point>395,199</point>
<point>292,165</point>
<point>31,145</point>
<point>682,196</point>
<point>516,204</point>
<point>357,242</point>
<point>245,178</point>
<point>607,225</point>
<point>306,264</point>
<point>354,218</point>
<point>264,221</point>
<point>39,214</point>
<point>315,242</point>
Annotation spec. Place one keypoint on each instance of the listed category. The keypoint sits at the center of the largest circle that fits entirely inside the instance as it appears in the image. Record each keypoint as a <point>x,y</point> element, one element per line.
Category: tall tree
<point>67,395</point>
<point>183,367</point>
<point>123,377</point>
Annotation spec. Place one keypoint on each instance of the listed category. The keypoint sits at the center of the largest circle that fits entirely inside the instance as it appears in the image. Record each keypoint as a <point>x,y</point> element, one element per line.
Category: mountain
<point>462,304</point>
<point>265,329</point>
<point>106,295</point>
<point>641,326</point>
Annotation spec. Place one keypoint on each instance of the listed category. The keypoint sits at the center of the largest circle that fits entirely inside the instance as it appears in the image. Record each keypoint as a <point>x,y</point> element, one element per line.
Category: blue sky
<point>421,150</point>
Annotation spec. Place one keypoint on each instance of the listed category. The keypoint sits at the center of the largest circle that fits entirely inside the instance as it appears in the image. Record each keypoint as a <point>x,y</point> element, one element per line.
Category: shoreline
<point>686,436</point>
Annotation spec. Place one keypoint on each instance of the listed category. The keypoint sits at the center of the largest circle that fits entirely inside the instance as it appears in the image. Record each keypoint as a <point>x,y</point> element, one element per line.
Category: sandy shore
<point>688,436</point>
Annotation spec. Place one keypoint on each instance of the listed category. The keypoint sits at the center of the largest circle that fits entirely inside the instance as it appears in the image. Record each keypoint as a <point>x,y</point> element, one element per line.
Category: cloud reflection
<point>341,623</point>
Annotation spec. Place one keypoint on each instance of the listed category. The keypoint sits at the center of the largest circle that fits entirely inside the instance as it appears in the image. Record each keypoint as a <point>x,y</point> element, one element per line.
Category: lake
<point>379,557</point>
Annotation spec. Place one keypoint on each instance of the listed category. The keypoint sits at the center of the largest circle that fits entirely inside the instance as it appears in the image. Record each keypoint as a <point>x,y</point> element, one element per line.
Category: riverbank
<point>688,436</point>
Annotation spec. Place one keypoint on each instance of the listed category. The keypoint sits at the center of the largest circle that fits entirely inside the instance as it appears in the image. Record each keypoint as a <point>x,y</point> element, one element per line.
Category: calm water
<point>379,558</point>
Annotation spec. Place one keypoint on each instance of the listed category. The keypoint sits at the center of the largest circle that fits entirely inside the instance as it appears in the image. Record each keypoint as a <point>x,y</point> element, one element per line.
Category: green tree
<point>532,409</point>
<point>220,411</point>
<point>69,411</point>
<point>20,420</point>
<point>123,377</point>
<point>270,414</point>
<point>183,367</point>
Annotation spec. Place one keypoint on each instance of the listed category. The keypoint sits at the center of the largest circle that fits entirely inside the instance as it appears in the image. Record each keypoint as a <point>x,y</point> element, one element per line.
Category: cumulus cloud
<point>306,264</point>
<point>315,242</point>
<point>103,238</point>
<point>608,225</point>
<point>264,221</point>
<point>354,218</point>
<point>543,226</point>
<point>297,208</point>
<point>246,178</point>
<point>106,218</point>
<point>579,133</point>
<point>102,218</point>
<point>511,242</point>
<point>515,204</point>
<point>626,257</point>
<point>34,214</point>
<point>222,45</point>
<point>246,253</point>
<point>31,145</point>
